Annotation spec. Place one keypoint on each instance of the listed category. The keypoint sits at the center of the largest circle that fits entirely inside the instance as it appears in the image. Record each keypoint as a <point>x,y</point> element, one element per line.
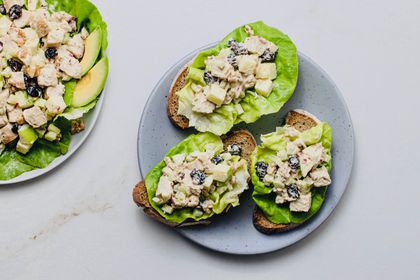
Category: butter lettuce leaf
<point>262,195</point>
<point>195,142</point>
<point>254,105</point>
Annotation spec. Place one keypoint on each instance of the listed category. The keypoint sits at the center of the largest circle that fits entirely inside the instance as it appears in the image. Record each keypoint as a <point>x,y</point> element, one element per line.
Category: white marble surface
<point>79,222</point>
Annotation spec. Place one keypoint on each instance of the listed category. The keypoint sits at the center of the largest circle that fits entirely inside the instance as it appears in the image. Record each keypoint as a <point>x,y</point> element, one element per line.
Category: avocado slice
<point>27,137</point>
<point>93,45</point>
<point>91,85</point>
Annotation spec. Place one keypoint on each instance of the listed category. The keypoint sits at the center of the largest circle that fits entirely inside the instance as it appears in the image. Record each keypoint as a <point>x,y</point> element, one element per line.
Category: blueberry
<point>293,162</point>
<point>293,191</point>
<point>3,10</point>
<point>198,176</point>
<point>234,149</point>
<point>51,52</point>
<point>268,56</point>
<point>15,12</point>
<point>261,169</point>
<point>209,78</point>
<point>217,159</point>
<point>34,91</point>
<point>14,64</point>
<point>15,128</point>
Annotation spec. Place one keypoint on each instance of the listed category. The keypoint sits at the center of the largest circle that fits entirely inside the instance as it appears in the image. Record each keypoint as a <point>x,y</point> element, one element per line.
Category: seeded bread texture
<point>301,120</point>
<point>172,109</point>
<point>241,137</point>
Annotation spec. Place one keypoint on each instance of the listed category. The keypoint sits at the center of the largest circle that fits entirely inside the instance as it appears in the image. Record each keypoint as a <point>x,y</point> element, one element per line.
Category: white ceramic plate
<point>234,232</point>
<point>76,141</point>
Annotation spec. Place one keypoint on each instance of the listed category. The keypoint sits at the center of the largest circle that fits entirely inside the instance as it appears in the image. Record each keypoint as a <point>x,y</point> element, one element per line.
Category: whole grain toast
<point>241,137</point>
<point>177,84</point>
<point>301,120</point>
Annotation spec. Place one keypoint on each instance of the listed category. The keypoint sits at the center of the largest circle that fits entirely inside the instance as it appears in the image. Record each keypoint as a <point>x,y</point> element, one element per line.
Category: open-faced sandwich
<point>202,176</point>
<point>52,70</point>
<point>252,72</point>
<point>291,172</point>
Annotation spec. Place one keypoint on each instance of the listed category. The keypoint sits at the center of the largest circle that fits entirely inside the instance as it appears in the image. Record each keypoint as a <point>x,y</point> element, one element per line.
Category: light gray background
<point>78,222</point>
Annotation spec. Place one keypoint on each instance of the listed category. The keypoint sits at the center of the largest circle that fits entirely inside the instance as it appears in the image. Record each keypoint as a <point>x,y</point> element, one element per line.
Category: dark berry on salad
<point>232,60</point>
<point>34,91</point>
<point>268,56</point>
<point>237,48</point>
<point>51,52</point>
<point>15,12</point>
<point>29,81</point>
<point>2,9</point>
<point>14,64</point>
<point>261,169</point>
<point>209,78</point>
<point>15,128</point>
<point>293,162</point>
<point>217,159</point>
<point>1,46</point>
<point>234,149</point>
<point>198,177</point>
<point>41,43</point>
<point>293,191</point>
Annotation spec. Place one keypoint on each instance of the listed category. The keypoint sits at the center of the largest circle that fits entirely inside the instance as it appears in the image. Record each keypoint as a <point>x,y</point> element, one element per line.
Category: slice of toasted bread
<point>301,120</point>
<point>241,137</point>
<point>172,108</point>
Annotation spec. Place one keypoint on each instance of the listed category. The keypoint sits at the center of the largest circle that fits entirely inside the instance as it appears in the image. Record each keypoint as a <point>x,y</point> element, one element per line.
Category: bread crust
<point>173,99</point>
<point>241,137</point>
<point>301,120</point>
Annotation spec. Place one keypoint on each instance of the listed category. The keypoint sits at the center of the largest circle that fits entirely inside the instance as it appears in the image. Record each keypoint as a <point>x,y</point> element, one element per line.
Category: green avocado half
<point>92,48</point>
<point>91,85</point>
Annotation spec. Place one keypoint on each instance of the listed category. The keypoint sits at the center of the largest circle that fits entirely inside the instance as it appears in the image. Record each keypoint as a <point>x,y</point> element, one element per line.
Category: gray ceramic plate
<point>234,232</point>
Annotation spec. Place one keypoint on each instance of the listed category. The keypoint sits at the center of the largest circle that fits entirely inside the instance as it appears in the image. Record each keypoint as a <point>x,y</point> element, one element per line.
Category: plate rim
<point>314,225</point>
<point>27,176</point>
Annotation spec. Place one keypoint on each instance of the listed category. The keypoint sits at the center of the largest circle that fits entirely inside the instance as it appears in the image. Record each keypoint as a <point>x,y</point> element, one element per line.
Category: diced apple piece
<point>266,71</point>
<point>221,172</point>
<point>264,87</point>
<point>216,94</point>
<point>247,64</point>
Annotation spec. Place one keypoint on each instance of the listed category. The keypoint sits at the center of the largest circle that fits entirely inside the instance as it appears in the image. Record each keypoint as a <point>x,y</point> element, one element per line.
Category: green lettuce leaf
<point>271,143</point>
<point>195,142</point>
<point>12,163</point>
<point>254,105</point>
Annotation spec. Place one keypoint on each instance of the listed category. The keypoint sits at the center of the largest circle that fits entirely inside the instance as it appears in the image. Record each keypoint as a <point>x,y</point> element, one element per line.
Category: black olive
<point>268,56</point>
<point>15,128</point>
<point>234,149</point>
<point>34,91</point>
<point>293,191</point>
<point>209,78</point>
<point>217,159</point>
<point>15,12</point>
<point>198,176</point>
<point>2,10</point>
<point>293,162</point>
<point>261,169</point>
<point>51,52</point>
<point>14,64</point>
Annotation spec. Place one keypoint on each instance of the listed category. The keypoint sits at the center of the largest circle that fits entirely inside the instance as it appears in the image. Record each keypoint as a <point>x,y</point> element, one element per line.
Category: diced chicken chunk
<point>219,67</point>
<point>257,45</point>
<point>39,22</point>
<point>17,80</point>
<point>55,37</point>
<point>17,35</point>
<point>3,120</point>
<point>202,105</point>
<point>164,190</point>
<point>76,46</point>
<point>7,135</point>
<point>302,204</point>
<point>67,22</point>
<point>15,114</point>
<point>35,117</point>
<point>320,177</point>
<point>55,105</point>
<point>69,64</point>
<point>48,76</point>
<point>57,90</point>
